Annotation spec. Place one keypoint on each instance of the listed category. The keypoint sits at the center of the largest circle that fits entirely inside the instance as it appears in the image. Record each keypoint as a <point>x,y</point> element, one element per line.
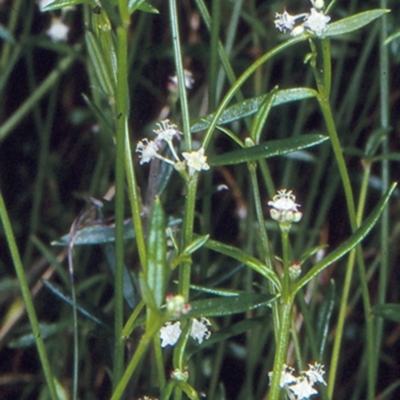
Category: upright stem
<point>187,233</point>
<point>122,131</point>
<point>281,348</point>
<point>385,177</point>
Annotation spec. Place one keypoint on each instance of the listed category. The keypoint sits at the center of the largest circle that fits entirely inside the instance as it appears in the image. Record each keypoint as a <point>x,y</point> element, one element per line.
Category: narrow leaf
<point>85,309</point>
<point>227,306</point>
<point>97,234</point>
<point>246,259</point>
<point>156,272</point>
<point>262,115</point>
<point>348,245</point>
<point>249,107</point>
<point>350,24</point>
<point>268,149</point>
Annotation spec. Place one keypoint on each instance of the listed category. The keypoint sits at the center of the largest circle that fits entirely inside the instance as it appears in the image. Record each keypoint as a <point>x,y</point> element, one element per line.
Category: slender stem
<point>281,349</point>
<point>30,309</point>
<point>187,233</point>
<point>215,27</point>
<point>384,77</point>
<point>370,334</point>
<point>330,124</point>
<point>135,202</point>
<point>122,127</point>
<point>180,74</point>
<point>240,81</point>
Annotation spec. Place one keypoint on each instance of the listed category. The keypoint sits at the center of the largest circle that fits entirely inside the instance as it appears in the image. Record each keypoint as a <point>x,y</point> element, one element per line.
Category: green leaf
<point>246,259</point>
<point>324,317</point>
<point>267,149</point>
<point>156,272</point>
<point>85,309</point>
<point>348,245</point>
<point>262,115</point>
<point>103,71</point>
<point>58,4</point>
<point>350,24</point>
<point>190,248</point>
<point>97,234</point>
<point>216,307</point>
<point>389,311</point>
<point>249,107</point>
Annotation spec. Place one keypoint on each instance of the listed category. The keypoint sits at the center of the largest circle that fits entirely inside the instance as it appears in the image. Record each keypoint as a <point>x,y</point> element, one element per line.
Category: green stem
<point>19,269</point>
<point>122,100</point>
<point>370,334</point>
<point>323,99</point>
<point>187,233</point>
<point>281,349</point>
<point>180,74</point>
<point>384,77</point>
<point>240,81</point>
<point>143,344</point>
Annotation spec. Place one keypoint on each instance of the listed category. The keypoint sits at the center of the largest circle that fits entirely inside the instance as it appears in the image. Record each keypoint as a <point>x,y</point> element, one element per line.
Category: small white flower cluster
<point>171,331</point>
<point>284,208</point>
<point>196,161</point>
<point>301,387</point>
<point>314,22</point>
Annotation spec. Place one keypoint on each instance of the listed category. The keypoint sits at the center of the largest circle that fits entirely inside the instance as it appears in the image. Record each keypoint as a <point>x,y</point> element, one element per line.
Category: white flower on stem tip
<point>196,161</point>
<point>316,22</point>
<point>285,22</point>
<point>199,330</point>
<point>302,388</point>
<point>315,373</point>
<point>169,333</point>
<point>284,209</point>
<point>147,149</point>
<point>58,31</point>
<point>166,132</point>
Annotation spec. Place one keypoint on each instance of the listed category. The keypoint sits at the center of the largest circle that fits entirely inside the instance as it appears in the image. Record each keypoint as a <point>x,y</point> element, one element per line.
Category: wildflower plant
<point>266,286</point>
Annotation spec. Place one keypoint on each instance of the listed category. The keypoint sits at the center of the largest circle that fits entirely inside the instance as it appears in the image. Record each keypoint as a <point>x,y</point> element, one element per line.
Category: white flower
<point>302,388</point>
<point>285,22</point>
<point>58,31</point>
<point>316,22</point>
<point>315,373</point>
<point>284,201</point>
<point>196,161</point>
<point>148,150</point>
<point>169,333</point>
<point>199,330</point>
<point>166,131</point>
